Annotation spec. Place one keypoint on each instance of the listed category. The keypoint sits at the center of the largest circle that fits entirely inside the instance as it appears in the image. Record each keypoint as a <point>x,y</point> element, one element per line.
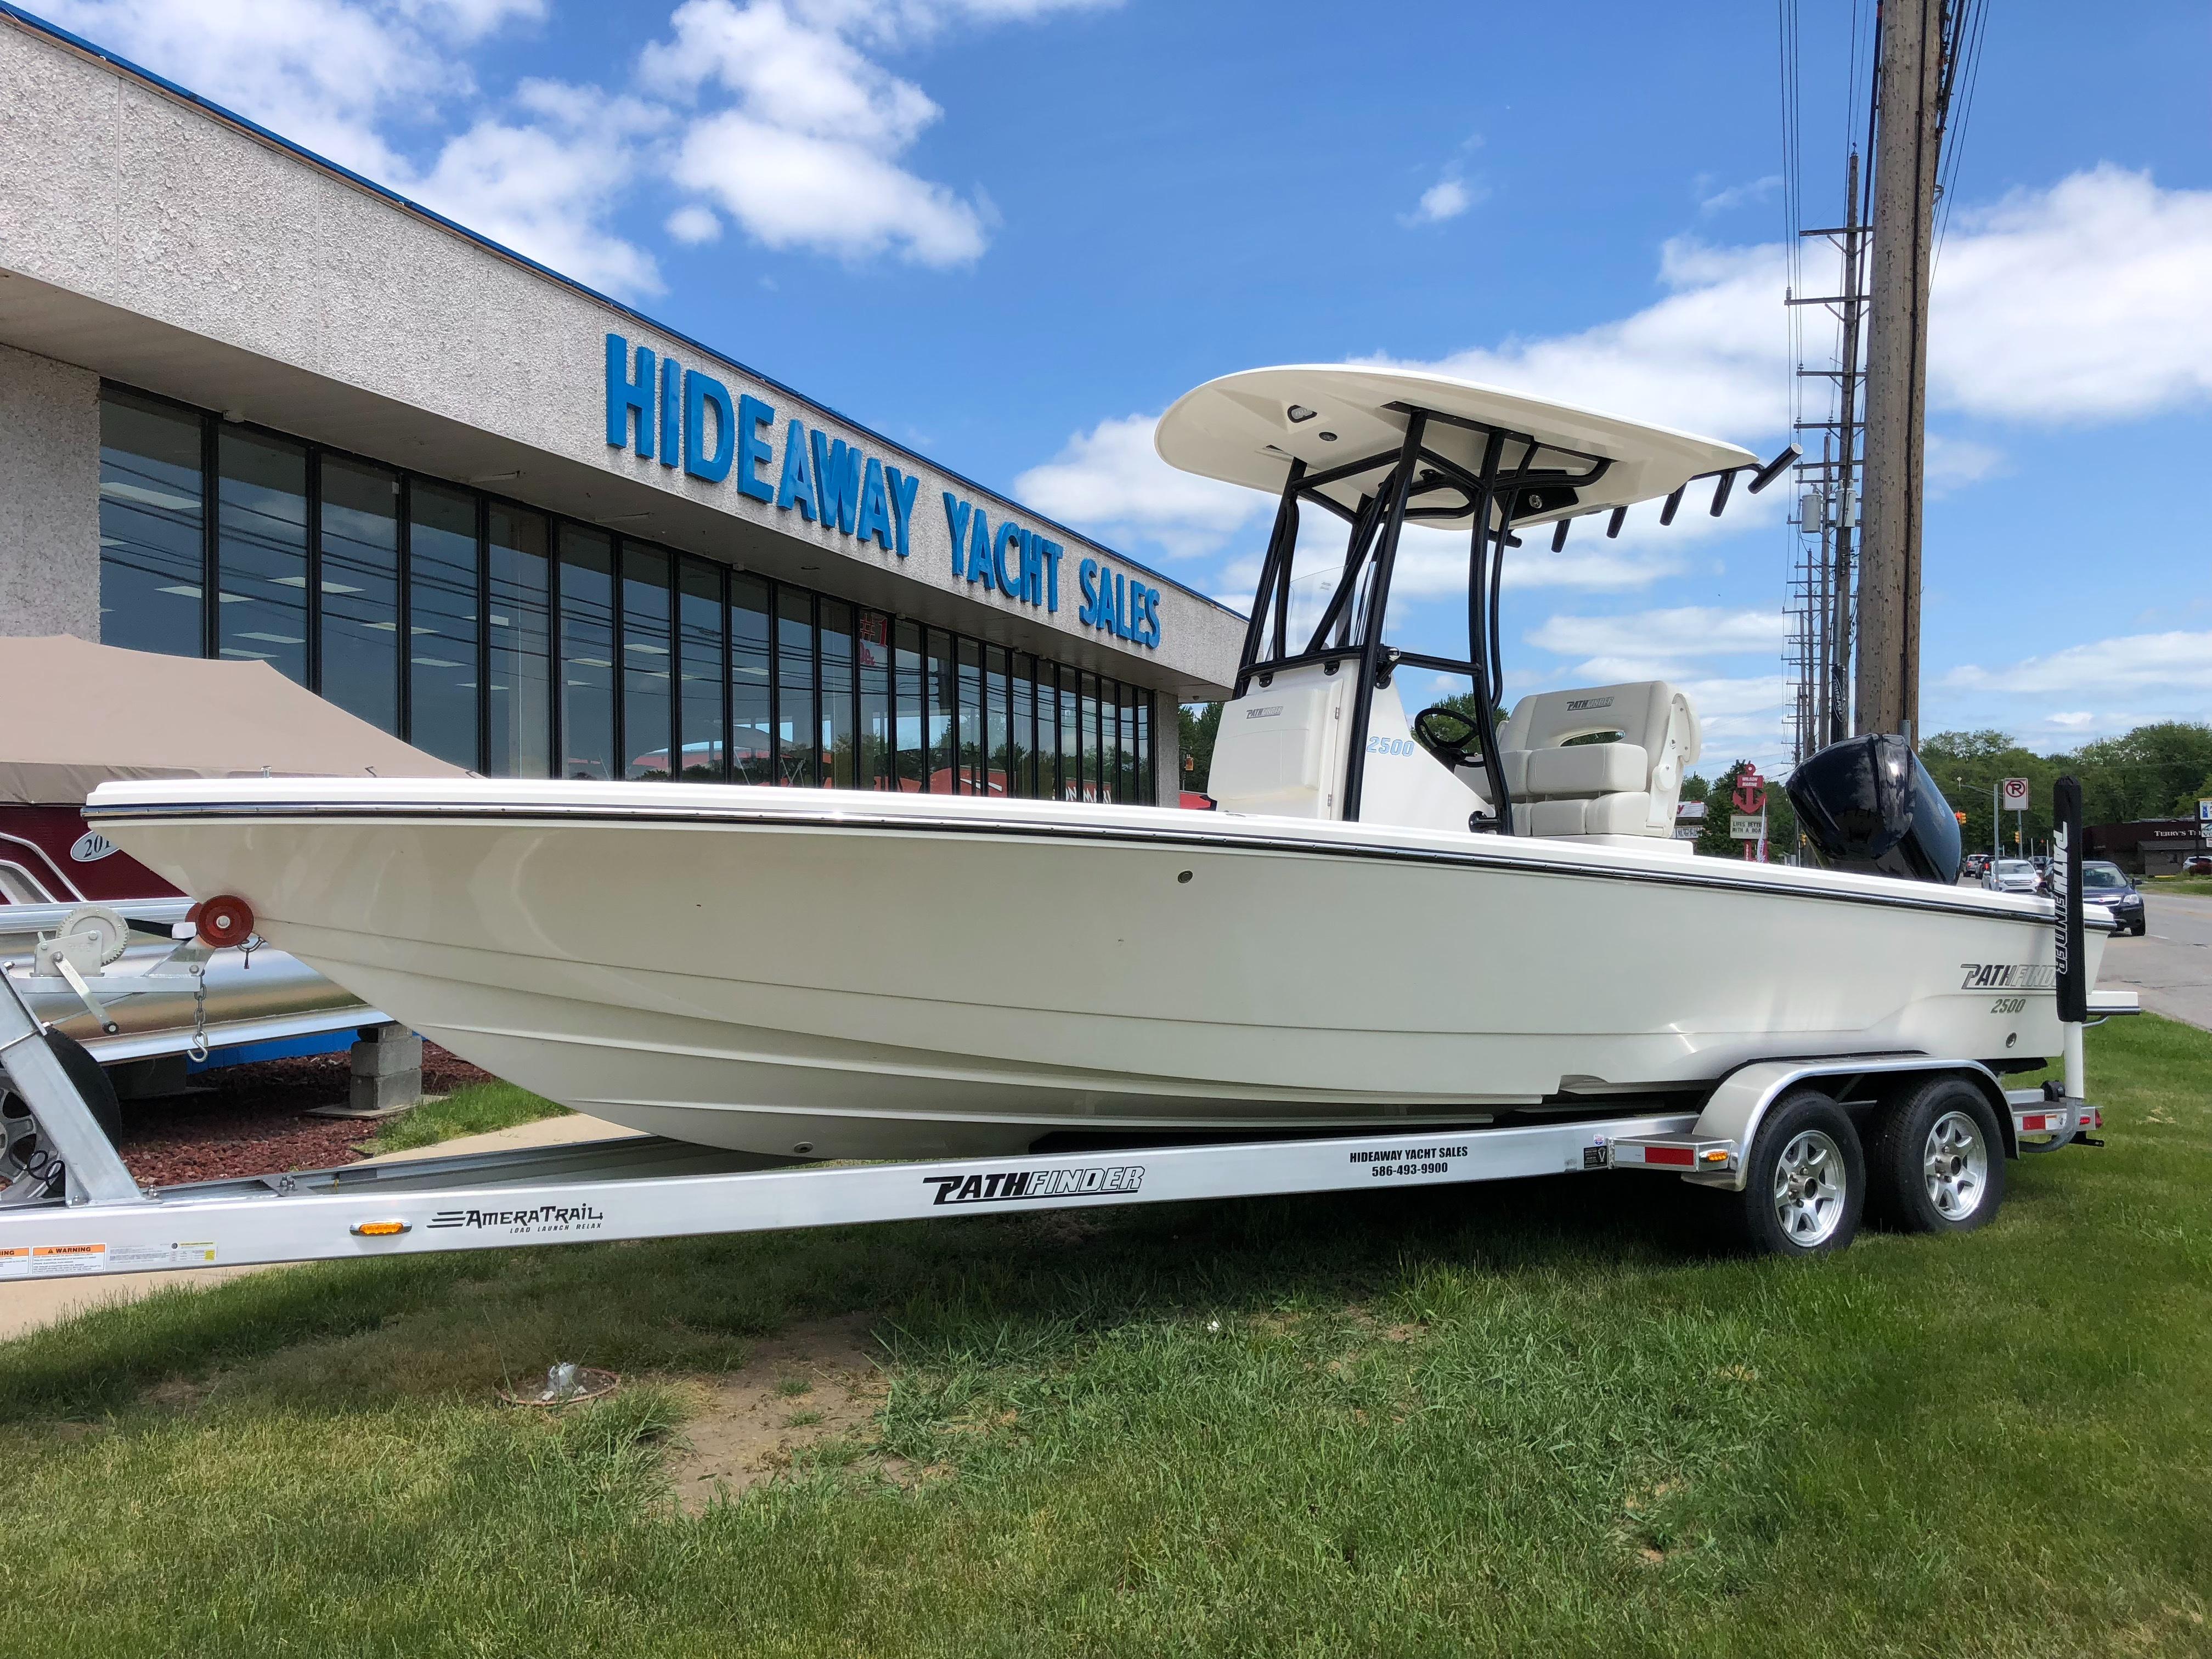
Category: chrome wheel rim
<point>1809,1189</point>
<point>1957,1162</point>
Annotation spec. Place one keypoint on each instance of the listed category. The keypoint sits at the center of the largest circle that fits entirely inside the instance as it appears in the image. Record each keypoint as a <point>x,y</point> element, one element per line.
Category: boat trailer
<point>84,1214</point>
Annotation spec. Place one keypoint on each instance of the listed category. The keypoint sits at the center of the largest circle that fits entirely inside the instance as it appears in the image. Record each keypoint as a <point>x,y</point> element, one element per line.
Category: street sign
<point>2204,812</point>
<point>2016,794</point>
<point>1747,826</point>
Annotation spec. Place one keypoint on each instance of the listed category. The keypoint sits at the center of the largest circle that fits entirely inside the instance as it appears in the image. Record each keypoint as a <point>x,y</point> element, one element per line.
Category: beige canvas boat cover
<point>74,715</point>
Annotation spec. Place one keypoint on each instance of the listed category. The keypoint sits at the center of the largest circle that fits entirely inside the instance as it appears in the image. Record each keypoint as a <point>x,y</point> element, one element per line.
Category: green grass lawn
<point>1548,1418</point>
<point>2200,885</point>
<point>474,1109</point>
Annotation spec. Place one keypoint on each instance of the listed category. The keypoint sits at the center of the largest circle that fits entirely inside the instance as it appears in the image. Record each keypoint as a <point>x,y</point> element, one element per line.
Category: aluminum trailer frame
<point>645,1187</point>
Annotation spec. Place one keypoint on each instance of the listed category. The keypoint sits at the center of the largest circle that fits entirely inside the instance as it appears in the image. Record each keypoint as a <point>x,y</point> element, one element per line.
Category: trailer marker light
<point>379,1229</point>
<point>1715,1156</point>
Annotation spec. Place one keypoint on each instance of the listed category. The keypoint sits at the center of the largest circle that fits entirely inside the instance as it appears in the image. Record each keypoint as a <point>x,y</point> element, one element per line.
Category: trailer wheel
<point>1937,1159</point>
<point>29,1172</point>
<point>1805,1180</point>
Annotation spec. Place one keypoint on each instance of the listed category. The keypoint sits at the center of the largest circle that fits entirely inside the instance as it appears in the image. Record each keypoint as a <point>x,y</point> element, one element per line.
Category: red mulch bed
<point>252,1119</point>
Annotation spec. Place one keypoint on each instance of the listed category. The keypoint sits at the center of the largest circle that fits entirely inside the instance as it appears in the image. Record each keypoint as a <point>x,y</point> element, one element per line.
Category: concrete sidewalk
<point>27,1305</point>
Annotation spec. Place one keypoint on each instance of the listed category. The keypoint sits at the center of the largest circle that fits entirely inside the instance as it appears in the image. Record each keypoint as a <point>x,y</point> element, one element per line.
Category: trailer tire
<point>28,1170</point>
<point>1937,1159</point>
<point>1804,1185</point>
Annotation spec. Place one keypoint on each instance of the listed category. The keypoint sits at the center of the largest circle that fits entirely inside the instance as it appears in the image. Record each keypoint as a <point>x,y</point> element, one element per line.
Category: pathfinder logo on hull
<point>1002,1184</point>
<point>2009,976</point>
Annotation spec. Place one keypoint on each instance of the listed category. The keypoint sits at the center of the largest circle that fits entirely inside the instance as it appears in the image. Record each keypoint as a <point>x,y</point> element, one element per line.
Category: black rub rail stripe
<point>1058,832</point>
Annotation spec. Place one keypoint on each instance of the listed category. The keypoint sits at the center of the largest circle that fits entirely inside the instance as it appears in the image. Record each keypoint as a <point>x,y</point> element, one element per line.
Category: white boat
<point>1402,940</point>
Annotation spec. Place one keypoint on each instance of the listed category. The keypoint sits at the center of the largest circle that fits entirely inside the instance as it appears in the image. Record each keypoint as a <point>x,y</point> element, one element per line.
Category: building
<point>252,406</point>
<point>2148,847</point>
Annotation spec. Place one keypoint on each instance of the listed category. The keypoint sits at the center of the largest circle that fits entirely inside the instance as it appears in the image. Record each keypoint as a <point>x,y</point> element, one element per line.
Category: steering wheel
<point>1448,734</point>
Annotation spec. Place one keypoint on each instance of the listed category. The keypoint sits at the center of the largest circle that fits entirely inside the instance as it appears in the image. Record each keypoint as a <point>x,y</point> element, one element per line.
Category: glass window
<point>441,623</point>
<point>700,617</point>
<point>913,764</point>
<point>752,737</point>
<point>1088,719</point>
<point>1048,732</point>
<point>839,750</point>
<point>153,546</point>
<point>877,748</point>
<point>1147,785</point>
<point>261,552</point>
<point>1070,738</point>
<point>997,738</point>
<point>647,714</point>
<point>587,653</point>
<point>1124,742</point>
<point>521,629</point>
<point>360,590</point>
<point>943,724</point>
<point>1022,751</point>
<point>971,761</point>
<point>799,739</point>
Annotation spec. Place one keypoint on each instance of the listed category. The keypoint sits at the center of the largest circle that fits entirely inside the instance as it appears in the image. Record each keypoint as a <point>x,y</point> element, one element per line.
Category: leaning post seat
<point>1628,786</point>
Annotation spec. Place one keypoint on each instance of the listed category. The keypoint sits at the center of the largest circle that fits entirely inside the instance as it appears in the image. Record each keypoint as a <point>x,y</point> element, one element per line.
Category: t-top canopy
<point>1248,428</point>
<point>79,715</point>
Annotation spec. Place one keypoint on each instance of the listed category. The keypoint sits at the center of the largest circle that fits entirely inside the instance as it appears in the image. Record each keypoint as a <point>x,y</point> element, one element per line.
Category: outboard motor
<point>1868,803</point>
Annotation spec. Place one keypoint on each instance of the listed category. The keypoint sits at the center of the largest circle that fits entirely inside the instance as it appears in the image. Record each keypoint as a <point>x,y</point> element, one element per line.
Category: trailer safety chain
<point>198,1050</point>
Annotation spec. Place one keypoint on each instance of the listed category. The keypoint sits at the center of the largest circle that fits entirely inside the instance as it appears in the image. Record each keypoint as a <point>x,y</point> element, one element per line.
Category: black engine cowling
<point>1868,803</point>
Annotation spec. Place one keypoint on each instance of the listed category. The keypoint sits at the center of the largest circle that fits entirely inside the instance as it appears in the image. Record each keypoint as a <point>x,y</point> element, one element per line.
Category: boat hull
<point>867,976</point>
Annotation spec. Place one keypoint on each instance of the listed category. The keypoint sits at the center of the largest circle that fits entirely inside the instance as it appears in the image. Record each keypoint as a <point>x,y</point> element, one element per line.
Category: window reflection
<point>520,695</point>
<point>519,661</point>
<point>648,717</point>
<point>700,618</point>
<point>798,738</point>
<point>441,623</point>
<point>359,529</point>
<point>261,552</point>
<point>587,653</point>
<point>153,550</point>
<point>752,752</point>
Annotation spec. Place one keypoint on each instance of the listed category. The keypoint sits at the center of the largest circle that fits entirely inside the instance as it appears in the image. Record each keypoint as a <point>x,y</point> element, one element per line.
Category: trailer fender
<point>1734,1111</point>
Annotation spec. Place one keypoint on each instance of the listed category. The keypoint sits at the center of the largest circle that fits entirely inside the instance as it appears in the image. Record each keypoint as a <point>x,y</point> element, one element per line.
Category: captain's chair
<point>1625,784</point>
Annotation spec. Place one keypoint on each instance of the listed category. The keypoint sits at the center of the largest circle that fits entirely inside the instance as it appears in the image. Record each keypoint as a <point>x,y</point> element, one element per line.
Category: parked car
<point>2010,876</point>
<point>2041,862</point>
<point>2106,884</point>
<point>2198,864</point>
<point>1975,867</point>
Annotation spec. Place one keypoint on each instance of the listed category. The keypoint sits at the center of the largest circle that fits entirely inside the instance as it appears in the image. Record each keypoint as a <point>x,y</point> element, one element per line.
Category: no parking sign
<point>2016,794</point>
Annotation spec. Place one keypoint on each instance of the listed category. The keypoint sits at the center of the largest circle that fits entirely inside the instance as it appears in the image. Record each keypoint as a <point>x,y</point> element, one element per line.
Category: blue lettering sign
<point>798,484</point>
<point>701,394</point>
<point>684,417</point>
<point>754,452</point>
<point>627,396</point>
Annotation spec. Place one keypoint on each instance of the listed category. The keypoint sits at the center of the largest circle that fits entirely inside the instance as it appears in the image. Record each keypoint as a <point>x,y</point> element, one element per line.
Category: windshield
<point>2102,875</point>
<point>2015,867</point>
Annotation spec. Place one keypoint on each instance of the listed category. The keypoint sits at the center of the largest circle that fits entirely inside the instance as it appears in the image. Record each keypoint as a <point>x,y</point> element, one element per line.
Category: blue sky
<point>1011,232</point>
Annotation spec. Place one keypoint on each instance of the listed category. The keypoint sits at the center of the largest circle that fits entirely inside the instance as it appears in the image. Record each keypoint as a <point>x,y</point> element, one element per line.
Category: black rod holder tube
<point>1270,575</point>
<point>1721,492</point>
<point>1613,525</point>
<point>1559,535</point>
<point>1674,505</point>
<point>1767,474</point>
<point>1378,607</point>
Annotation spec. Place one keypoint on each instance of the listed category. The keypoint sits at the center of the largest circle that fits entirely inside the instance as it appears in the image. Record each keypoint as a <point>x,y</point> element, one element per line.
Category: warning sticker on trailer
<point>139,1258</point>
<point>54,1260</point>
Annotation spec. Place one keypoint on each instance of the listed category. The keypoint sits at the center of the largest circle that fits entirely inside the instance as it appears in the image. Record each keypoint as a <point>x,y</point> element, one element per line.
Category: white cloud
<point>1736,196</point>
<point>2079,721</point>
<point>2081,303</point>
<point>2163,664</point>
<point>1953,462</point>
<point>1662,645</point>
<point>806,152</point>
<point>1445,200</point>
<point>546,187</point>
<point>1112,482</point>
<point>693,225</point>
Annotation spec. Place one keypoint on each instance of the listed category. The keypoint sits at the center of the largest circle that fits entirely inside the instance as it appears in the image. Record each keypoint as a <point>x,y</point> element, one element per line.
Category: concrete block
<point>388,1093</point>
<point>392,1050</point>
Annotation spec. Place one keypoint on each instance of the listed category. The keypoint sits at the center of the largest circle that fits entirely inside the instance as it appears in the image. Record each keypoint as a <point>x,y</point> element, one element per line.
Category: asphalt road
<point>2170,966</point>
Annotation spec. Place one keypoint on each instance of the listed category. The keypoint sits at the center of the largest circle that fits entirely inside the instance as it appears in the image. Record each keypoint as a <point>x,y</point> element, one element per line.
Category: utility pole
<point>1837,693</point>
<point>1908,135</point>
